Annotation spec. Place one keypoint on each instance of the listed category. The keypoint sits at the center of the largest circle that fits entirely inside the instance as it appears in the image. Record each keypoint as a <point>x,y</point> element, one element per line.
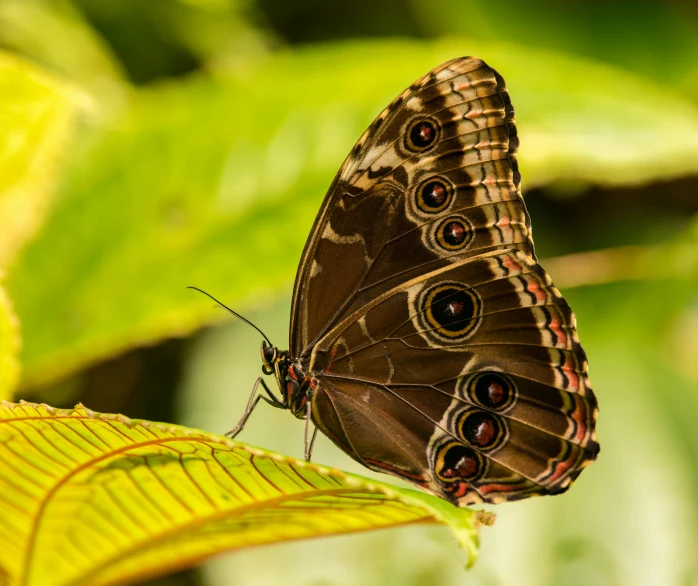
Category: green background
<point>204,135</point>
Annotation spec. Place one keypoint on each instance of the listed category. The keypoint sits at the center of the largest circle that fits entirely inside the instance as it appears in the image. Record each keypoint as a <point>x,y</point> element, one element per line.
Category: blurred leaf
<point>645,416</point>
<point>9,347</point>
<point>675,259</point>
<point>167,38</point>
<point>653,39</point>
<point>55,33</point>
<point>215,182</point>
<point>100,499</point>
<point>36,114</point>
<point>216,30</point>
<point>582,121</point>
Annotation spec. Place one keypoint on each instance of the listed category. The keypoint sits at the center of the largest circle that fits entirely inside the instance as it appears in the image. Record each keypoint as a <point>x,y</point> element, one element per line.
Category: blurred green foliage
<point>36,113</point>
<point>187,172</point>
<point>210,130</point>
<point>9,347</point>
<point>36,119</point>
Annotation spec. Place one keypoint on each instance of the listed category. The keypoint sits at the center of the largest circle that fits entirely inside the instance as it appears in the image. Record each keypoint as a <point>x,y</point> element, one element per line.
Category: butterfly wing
<point>432,181</point>
<point>469,380</point>
<point>442,353</point>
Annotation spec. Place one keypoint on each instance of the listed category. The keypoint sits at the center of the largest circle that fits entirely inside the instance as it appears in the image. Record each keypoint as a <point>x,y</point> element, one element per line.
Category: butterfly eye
<point>268,354</point>
<point>434,195</point>
<point>482,430</point>
<point>422,134</point>
<point>455,461</point>
<point>491,390</point>
<point>452,310</point>
<point>454,233</point>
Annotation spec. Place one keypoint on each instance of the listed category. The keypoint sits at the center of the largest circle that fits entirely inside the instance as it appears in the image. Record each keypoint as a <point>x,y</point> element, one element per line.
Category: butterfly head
<point>270,356</point>
<point>291,377</point>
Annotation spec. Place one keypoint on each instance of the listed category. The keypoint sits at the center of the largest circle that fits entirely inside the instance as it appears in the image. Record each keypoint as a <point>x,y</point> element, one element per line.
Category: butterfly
<point>426,341</point>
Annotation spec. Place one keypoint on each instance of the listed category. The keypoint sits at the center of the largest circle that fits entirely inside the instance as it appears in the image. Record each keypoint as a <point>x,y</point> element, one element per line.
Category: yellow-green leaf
<point>36,111</point>
<point>91,499</point>
<point>9,348</point>
<point>39,29</point>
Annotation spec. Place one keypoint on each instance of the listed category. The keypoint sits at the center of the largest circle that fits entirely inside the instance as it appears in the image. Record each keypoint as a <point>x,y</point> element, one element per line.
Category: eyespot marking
<point>455,461</point>
<point>433,195</point>
<point>422,134</point>
<point>482,430</point>
<point>453,233</point>
<point>449,311</point>
<point>493,391</point>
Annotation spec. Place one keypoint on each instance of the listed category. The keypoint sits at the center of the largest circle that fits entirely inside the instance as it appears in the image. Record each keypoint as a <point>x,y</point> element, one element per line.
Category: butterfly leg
<point>309,441</point>
<point>252,403</point>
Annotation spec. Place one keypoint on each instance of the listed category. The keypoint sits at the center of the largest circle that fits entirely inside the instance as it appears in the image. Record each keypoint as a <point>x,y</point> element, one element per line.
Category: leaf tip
<point>485,518</point>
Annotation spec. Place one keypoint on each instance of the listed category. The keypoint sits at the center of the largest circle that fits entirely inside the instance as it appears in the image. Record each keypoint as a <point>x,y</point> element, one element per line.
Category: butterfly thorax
<point>297,389</point>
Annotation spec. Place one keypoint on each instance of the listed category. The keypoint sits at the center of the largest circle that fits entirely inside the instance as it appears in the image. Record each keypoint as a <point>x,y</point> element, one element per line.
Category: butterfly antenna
<point>235,313</point>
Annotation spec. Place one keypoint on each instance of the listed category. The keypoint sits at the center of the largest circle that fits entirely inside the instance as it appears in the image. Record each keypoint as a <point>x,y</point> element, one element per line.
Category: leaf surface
<point>100,499</point>
<point>9,347</point>
<point>36,115</point>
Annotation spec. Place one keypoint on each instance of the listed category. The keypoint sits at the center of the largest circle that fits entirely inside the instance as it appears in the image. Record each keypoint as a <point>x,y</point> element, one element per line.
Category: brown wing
<point>433,180</point>
<point>469,380</point>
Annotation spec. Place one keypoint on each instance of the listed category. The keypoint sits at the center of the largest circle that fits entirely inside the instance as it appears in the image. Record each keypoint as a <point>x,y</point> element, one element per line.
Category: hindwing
<point>469,380</point>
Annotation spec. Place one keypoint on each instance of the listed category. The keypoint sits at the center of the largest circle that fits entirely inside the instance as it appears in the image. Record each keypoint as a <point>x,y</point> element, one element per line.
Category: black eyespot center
<point>492,390</point>
<point>452,309</point>
<point>422,134</point>
<point>481,429</point>
<point>433,195</point>
<point>454,233</point>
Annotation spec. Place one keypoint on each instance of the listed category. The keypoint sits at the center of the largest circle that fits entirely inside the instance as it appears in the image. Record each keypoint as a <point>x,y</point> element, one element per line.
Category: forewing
<point>432,181</point>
